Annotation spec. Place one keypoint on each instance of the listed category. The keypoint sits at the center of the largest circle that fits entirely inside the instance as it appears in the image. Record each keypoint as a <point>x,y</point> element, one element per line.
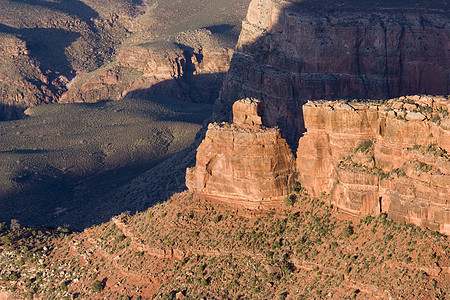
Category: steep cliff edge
<point>288,52</point>
<point>243,164</point>
<point>367,158</point>
<point>191,67</point>
<point>374,158</point>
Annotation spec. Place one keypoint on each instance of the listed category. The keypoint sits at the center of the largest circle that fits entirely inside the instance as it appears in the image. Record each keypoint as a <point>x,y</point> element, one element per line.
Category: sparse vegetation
<point>259,256</point>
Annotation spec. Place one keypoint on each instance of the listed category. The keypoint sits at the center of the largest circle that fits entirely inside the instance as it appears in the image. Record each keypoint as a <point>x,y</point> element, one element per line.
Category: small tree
<point>15,225</point>
<point>289,200</point>
<point>97,286</point>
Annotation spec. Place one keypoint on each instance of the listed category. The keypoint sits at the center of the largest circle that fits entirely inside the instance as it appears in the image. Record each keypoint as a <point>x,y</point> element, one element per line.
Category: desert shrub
<point>97,286</point>
<point>15,225</point>
<point>6,240</point>
<point>63,286</point>
<point>297,187</point>
<point>436,119</point>
<point>120,238</point>
<point>62,229</point>
<point>204,282</point>
<point>282,296</point>
<point>365,146</point>
<point>368,219</point>
<point>347,231</point>
<point>289,200</point>
<point>14,276</point>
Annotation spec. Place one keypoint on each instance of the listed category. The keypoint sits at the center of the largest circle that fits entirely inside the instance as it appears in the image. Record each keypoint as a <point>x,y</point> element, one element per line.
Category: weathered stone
<point>245,112</point>
<point>243,164</point>
<point>292,51</point>
<point>415,116</point>
<point>395,171</point>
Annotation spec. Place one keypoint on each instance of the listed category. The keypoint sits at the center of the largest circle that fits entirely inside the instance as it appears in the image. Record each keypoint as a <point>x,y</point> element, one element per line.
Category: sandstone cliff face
<point>289,52</point>
<point>243,164</point>
<point>175,70</point>
<point>368,158</point>
<point>374,158</point>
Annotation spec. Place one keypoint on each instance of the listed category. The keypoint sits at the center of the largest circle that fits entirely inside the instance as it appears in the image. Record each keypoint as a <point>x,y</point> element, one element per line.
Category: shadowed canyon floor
<point>58,162</point>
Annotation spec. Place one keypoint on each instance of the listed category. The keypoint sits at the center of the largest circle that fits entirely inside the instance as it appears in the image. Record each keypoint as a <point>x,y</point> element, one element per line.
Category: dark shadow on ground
<point>46,195</point>
<point>70,7</point>
<point>201,88</point>
<point>220,29</point>
<point>47,46</point>
<point>10,112</point>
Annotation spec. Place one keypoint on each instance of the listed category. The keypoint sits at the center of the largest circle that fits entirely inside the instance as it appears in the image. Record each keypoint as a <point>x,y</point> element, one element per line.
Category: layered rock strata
<point>243,164</point>
<point>174,70</point>
<point>369,158</point>
<point>373,158</point>
<point>289,51</point>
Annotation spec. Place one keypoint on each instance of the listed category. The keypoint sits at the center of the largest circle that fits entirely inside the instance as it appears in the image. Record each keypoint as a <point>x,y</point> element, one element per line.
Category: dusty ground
<point>59,160</point>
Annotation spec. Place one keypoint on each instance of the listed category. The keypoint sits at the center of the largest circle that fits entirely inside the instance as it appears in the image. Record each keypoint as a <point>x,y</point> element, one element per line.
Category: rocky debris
<point>376,158</point>
<point>243,164</point>
<point>289,52</point>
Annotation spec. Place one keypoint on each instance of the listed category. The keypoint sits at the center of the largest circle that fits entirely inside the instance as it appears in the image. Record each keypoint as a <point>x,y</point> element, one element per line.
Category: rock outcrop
<point>23,83</point>
<point>182,69</point>
<point>290,51</point>
<point>367,157</point>
<point>373,158</point>
<point>243,164</point>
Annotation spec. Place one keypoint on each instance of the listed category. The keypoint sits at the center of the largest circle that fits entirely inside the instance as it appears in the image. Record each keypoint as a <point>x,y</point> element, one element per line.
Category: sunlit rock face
<point>373,158</point>
<point>292,51</point>
<point>243,164</point>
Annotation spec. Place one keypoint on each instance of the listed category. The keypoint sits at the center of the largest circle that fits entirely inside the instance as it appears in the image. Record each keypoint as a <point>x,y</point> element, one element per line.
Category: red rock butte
<point>365,158</point>
<point>243,164</point>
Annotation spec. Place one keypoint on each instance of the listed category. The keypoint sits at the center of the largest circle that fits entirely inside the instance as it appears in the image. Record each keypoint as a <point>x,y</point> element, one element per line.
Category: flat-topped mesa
<point>243,164</point>
<point>373,158</point>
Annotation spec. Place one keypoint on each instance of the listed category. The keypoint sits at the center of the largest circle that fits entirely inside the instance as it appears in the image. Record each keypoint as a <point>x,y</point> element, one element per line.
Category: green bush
<point>204,282</point>
<point>289,201</point>
<point>347,231</point>
<point>63,286</point>
<point>97,286</point>
<point>120,238</point>
<point>14,276</point>
<point>365,146</point>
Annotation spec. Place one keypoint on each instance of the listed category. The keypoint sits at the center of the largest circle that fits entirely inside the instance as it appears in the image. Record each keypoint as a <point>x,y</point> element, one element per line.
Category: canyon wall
<point>372,158</point>
<point>367,158</point>
<point>243,164</point>
<point>23,83</point>
<point>291,52</point>
<point>188,69</point>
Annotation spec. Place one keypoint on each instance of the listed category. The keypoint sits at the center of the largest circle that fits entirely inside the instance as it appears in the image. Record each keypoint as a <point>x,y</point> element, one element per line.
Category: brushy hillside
<point>188,248</point>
